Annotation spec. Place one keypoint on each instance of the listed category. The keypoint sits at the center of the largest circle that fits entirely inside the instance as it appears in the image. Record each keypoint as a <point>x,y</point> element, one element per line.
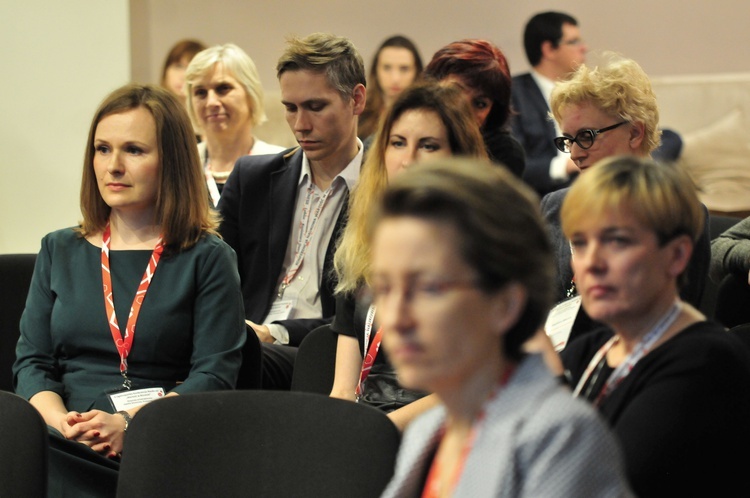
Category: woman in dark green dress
<point>140,301</point>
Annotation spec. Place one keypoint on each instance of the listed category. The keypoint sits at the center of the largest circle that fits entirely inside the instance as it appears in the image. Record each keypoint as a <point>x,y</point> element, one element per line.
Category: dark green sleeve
<point>219,323</point>
<point>36,368</point>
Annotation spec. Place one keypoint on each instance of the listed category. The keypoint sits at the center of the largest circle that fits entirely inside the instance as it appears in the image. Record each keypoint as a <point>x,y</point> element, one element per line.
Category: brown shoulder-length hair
<point>182,204</point>
<point>375,105</point>
<point>352,258</point>
<point>183,49</point>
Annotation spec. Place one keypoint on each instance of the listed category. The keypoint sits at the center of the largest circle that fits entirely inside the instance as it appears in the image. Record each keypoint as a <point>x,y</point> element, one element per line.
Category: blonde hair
<point>239,65</point>
<point>182,205</point>
<point>619,88</point>
<point>660,196</point>
<point>351,260</point>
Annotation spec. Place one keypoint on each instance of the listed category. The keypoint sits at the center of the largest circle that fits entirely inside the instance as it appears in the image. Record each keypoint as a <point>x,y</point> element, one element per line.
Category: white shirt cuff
<point>278,332</point>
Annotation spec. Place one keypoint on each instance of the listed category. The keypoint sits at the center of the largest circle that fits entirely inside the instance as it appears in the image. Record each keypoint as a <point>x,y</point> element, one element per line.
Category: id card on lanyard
<point>307,225</point>
<point>626,366</point>
<point>124,342</point>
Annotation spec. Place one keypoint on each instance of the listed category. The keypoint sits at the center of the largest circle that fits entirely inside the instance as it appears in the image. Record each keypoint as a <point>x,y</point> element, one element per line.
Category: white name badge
<point>125,400</point>
<point>280,310</point>
<point>560,321</point>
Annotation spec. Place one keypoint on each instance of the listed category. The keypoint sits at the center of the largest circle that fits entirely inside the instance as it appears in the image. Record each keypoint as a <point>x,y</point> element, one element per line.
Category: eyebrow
<point>308,102</point>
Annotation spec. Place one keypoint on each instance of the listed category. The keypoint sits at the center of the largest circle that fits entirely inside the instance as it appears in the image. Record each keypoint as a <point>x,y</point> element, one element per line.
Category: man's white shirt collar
<point>350,174</point>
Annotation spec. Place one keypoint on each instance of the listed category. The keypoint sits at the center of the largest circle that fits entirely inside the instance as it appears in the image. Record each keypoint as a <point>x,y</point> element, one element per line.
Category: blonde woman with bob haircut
<point>225,103</point>
<point>427,121</point>
<point>460,277</point>
<point>145,254</point>
<point>670,384</point>
<point>605,111</point>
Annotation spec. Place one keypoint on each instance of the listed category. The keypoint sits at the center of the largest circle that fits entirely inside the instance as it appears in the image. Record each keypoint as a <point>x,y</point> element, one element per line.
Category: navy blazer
<point>257,208</point>
<point>533,128</point>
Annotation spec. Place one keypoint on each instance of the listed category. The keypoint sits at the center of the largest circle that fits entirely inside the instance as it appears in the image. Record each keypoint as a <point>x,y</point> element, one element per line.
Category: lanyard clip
<point>282,288</point>
<point>126,383</point>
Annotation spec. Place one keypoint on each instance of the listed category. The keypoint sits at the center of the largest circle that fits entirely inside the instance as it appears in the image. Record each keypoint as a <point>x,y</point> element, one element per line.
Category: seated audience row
<point>449,266</point>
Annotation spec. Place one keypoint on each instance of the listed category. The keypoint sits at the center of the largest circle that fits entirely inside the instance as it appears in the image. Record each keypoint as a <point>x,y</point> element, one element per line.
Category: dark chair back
<point>733,301</point>
<point>742,332</point>
<point>315,365</point>
<point>15,277</point>
<point>24,448</point>
<point>257,443</point>
<point>251,371</point>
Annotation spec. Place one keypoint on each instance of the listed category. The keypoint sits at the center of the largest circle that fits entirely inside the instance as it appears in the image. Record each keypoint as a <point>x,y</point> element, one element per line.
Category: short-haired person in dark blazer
<point>554,48</point>
<point>282,213</point>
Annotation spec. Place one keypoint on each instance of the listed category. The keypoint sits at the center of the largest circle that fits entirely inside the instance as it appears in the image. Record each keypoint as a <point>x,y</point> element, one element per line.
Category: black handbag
<point>382,390</point>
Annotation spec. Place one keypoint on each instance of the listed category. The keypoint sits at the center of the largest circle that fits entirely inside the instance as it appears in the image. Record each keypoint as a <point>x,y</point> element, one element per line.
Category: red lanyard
<point>432,486</point>
<point>125,343</point>
<point>371,352</point>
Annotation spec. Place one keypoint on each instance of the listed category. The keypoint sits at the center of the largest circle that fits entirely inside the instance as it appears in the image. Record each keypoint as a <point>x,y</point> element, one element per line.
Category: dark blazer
<point>533,128</point>
<point>257,208</point>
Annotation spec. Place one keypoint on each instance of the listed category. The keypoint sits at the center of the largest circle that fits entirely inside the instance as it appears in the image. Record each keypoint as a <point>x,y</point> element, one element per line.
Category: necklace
<point>220,175</point>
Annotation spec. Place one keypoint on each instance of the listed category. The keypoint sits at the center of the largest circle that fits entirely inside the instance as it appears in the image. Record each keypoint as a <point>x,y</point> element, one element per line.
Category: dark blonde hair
<point>660,196</point>
<point>334,56</point>
<point>447,101</point>
<point>182,204</point>
<point>501,234</point>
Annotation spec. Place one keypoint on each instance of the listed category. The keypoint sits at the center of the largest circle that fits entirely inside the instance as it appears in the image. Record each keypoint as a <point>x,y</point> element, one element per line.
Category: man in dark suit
<point>554,48</point>
<point>282,213</point>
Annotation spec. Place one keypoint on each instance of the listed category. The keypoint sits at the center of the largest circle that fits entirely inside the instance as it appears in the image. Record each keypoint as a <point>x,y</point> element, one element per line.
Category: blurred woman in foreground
<point>460,277</point>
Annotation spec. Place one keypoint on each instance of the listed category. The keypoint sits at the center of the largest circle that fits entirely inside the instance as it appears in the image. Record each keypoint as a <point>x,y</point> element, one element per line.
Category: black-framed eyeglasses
<point>584,138</point>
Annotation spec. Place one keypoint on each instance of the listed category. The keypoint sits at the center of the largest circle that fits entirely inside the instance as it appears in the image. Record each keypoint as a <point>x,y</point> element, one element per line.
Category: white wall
<point>59,60</point>
<point>667,37</point>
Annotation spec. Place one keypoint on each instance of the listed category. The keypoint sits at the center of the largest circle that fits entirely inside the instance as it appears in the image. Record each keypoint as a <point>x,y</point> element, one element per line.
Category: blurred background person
<point>395,66</point>
<point>672,385</point>
<point>480,69</point>
<point>225,103</point>
<point>146,253</point>
<point>460,275</point>
<point>730,252</point>
<point>554,48</point>
<point>427,121</point>
<point>175,65</point>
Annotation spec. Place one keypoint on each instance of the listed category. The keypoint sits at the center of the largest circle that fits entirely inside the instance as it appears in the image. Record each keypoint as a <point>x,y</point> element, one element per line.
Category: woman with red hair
<point>480,69</point>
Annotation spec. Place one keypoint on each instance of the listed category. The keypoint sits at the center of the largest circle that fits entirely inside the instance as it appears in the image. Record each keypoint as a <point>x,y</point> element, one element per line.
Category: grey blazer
<point>536,441</point>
